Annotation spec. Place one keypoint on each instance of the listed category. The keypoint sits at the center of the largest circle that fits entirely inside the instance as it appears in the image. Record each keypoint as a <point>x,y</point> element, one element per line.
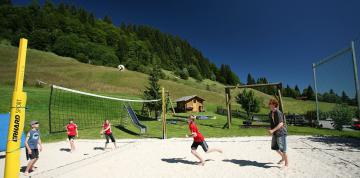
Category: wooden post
<point>163,118</point>
<point>172,106</point>
<point>228,107</point>
<point>281,106</point>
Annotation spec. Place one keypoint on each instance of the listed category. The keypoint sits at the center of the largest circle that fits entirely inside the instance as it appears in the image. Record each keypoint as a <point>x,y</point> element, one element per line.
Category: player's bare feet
<point>201,163</point>
<point>281,161</point>
<point>285,167</point>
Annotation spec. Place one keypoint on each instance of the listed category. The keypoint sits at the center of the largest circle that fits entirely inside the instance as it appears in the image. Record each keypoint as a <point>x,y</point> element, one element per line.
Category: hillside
<point>68,72</point>
<point>72,31</point>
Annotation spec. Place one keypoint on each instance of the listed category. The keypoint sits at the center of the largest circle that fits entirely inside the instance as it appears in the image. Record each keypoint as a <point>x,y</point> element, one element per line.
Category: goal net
<point>335,81</point>
<point>89,110</point>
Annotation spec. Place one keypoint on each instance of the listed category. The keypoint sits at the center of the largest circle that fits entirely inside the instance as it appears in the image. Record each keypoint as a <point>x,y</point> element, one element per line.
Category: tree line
<point>74,32</point>
<point>307,93</point>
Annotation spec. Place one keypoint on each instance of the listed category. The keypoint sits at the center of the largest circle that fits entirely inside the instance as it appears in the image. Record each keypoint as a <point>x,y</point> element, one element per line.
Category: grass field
<point>68,72</point>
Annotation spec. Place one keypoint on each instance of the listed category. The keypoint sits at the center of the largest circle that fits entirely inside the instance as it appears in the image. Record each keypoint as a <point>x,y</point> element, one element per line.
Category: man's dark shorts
<point>34,154</point>
<point>71,137</point>
<point>203,144</point>
<point>278,143</point>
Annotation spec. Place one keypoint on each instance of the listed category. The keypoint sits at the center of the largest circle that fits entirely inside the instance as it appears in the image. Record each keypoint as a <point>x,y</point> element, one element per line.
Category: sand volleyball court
<point>242,157</point>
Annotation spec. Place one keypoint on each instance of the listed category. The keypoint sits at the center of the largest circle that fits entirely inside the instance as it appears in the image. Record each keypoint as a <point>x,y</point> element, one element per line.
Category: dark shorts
<point>71,137</point>
<point>203,144</point>
<point>109,136</point>
<point>278,143</point>
<point>34,154</point>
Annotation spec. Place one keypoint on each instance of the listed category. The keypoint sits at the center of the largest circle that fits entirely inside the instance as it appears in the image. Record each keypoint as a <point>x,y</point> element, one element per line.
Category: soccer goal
<point>272,89</point>
<point>336,81</point>
<point>89,110</point>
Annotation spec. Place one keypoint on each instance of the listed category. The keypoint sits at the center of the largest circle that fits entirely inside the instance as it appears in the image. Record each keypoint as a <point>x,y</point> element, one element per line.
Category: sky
<point>278,39</point>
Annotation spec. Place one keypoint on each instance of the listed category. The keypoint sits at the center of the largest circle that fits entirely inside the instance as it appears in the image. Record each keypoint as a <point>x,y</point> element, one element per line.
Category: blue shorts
<point>278,143</point>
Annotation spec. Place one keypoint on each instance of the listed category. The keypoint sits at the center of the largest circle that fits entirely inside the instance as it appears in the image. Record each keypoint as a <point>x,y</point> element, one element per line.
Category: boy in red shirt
<point>198,140</point>
<point>72,131</point>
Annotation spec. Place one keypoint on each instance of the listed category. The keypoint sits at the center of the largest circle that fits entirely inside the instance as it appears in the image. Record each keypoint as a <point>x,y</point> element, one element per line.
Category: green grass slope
<point>68,72</point>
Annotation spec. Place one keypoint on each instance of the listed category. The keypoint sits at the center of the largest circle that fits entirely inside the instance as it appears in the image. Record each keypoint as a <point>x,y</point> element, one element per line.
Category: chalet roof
<point>187,98</point>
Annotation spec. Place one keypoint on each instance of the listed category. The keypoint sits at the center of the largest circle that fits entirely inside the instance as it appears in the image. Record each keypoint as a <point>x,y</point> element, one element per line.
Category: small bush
<point>341,115</point>
<point>184,74</point>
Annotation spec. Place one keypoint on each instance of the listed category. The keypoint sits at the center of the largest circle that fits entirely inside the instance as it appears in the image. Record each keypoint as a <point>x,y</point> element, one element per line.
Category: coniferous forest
<point>74,32</point>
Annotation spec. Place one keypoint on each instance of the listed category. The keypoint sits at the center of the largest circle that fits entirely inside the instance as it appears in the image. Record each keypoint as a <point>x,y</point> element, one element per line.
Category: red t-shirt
<point>199,137</point>
<point>107,132</point>
<point>71,129</point>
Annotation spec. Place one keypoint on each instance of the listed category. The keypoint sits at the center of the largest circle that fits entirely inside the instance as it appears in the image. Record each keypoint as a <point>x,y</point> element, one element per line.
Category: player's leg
<point>33,158</point>
<point>33,164</point>
<point>282,157</point>
<point>282,148</point>
<point>113,140</point>
<point>107,141</point>
<point>36,156</point>
<point>28,167</point>
<point>275,147</point>
<point>71,141</point>
<point>196,154</point>
<point>206,148</point>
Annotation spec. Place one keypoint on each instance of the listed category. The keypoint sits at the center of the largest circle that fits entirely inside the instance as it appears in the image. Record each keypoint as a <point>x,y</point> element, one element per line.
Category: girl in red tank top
<point>106,130</point>
<point>72,131</point>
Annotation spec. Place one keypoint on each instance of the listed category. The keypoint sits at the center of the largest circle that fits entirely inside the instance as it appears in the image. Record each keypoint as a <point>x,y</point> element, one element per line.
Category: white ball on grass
<point>121,67</point>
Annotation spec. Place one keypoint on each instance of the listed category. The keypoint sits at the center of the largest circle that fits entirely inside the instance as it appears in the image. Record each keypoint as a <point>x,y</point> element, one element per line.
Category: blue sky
<point>278,39</point>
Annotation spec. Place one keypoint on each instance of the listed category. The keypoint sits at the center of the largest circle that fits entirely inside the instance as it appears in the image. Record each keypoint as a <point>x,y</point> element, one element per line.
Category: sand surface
<point>154,158</point>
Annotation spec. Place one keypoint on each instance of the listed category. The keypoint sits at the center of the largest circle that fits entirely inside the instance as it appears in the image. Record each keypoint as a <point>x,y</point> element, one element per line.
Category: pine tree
<point>310,93</point>
<point>152,92</point>
<point>107,19</point>
<point>5,2</point>
<point>297,91</point>
<point>345,98</point>
<point>250,80</point>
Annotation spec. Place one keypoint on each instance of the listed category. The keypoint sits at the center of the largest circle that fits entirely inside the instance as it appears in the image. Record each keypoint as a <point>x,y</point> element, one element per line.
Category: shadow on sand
<point>65,149</point>
<point>249,163</point>
<point>99,148</point>
<point>182,160</point>
<point>2,156</point>
<point>342,142</point>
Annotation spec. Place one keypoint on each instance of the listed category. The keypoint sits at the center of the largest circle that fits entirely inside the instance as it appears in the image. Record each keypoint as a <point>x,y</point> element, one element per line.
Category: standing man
<point>278,131</point>
<point>33,146</point>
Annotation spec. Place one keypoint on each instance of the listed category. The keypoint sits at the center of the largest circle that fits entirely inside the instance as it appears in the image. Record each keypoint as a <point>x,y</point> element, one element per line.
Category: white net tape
<point>106,97</point>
